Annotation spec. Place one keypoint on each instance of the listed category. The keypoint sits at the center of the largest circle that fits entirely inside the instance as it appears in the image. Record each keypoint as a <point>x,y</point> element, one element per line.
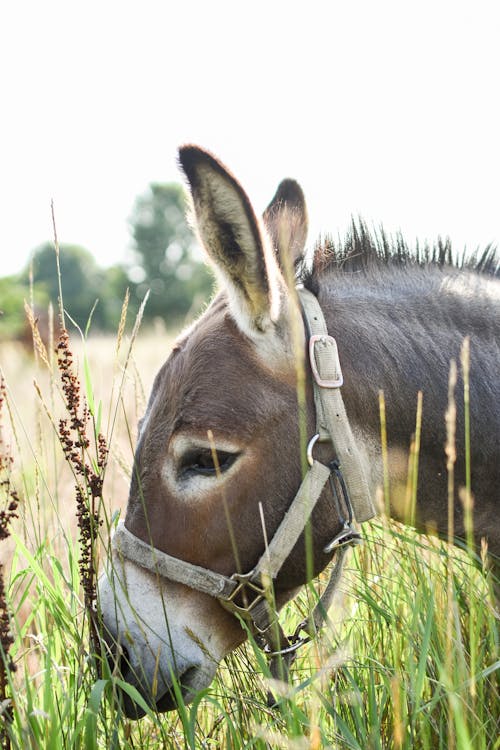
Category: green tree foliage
<point>166,264</point>
<point>83,284</point>
<point>12,317</point>
<point>165,251</point>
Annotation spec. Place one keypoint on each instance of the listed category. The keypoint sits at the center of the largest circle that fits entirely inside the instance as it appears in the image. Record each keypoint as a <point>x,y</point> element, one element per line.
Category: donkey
<point>220,452</point>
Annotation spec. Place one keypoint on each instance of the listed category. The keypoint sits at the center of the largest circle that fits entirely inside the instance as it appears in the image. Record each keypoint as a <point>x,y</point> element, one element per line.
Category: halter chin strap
<point>250,595</point>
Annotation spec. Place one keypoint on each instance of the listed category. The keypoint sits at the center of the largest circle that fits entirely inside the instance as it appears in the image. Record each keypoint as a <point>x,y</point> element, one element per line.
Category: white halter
<point>350,489</point>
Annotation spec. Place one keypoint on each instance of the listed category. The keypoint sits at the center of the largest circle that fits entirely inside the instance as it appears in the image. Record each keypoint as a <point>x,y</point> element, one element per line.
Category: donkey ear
<point>286,221</point>
<point>231,235</point>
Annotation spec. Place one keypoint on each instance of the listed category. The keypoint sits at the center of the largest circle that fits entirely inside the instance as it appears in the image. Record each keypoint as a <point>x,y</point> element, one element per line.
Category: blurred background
<point>385,110</point>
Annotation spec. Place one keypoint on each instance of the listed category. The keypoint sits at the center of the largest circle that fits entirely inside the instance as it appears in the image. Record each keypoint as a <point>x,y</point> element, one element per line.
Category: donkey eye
<point>203,461</point>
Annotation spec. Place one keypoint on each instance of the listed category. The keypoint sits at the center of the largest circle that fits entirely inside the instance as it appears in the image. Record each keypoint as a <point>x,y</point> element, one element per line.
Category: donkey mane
<point>364,250</point>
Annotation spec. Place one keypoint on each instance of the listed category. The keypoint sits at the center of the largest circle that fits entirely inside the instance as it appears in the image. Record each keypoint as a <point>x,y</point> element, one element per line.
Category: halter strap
<point>257,607</point>
<point>331,418</point>
<point>130,547</point>
<point>222,587</point>
<point>248,595</point>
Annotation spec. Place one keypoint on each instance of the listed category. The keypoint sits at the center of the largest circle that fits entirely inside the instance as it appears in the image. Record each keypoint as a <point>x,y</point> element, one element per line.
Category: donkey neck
<point>387,328</point>
<point>397,330</point>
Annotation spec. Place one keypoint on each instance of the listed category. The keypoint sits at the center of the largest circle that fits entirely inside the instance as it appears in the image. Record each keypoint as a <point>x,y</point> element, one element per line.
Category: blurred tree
<point>166,258</point>
<point>116,283</point>
<point>166,263</point>
<point>12,316</point>
<point>82,282</point>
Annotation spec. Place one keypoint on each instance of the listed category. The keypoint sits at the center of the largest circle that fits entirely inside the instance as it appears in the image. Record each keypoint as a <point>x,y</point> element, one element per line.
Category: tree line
<point>166,261</point>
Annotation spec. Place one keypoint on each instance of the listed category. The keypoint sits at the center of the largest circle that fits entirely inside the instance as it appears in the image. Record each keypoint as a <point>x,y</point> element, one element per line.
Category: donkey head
<point>218,458</point>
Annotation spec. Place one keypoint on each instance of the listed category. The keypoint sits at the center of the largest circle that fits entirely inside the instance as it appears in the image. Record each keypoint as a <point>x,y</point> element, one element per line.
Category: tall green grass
<point>409,659</point>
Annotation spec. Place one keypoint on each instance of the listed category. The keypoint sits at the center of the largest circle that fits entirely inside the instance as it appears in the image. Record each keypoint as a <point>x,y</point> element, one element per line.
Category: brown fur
<point>398,323</point>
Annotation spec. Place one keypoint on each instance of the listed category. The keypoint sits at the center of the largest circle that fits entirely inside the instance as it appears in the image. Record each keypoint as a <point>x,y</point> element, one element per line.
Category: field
<point>409,660</point>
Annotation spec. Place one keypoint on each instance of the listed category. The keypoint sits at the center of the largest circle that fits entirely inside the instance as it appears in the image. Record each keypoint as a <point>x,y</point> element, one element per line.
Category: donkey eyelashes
<point>206,462</point>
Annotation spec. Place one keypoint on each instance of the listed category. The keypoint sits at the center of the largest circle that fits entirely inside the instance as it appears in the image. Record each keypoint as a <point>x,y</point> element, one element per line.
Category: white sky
<point>388,109</point>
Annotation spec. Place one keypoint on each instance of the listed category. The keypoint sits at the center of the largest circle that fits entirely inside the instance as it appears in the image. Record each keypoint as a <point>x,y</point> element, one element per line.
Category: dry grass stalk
<point>10,502</point>
<point>89,478</point>
<point>37,339</point>
<point>451,457</point>
<point>123,320</point>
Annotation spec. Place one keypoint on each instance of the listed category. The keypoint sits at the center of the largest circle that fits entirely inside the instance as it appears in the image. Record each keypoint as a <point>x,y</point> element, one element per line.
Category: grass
<point>409,660</point>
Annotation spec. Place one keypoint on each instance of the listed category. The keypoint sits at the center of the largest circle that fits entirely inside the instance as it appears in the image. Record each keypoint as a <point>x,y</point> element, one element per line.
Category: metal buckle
<point>323,338</point>
<point>348,536</point>
<point>244,581</point>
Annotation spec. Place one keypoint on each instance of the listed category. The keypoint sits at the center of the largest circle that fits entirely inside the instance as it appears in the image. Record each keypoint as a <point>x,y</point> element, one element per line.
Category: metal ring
<point>309,452</point>
<point>290,649</point>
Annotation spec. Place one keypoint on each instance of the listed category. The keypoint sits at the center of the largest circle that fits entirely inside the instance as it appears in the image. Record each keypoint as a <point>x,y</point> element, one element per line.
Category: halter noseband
<point>249,595</point>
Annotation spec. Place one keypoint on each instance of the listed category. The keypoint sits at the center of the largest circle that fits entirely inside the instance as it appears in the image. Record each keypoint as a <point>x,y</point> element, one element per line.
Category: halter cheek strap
<point>249,596</point>
<point>331,418</point>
